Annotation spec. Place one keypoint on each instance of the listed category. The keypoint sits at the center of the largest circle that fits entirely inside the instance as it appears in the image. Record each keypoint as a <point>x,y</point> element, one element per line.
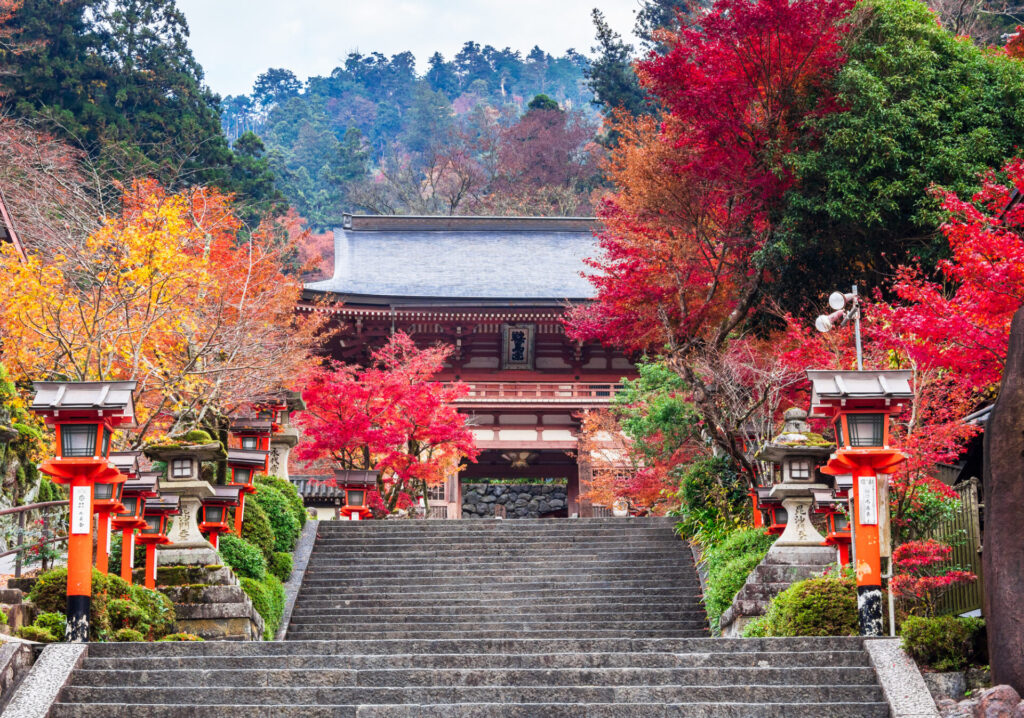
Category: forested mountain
<point>376,135</point>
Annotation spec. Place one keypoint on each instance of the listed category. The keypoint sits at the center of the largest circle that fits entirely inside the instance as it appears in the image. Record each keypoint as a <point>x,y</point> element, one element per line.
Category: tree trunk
<point>1003,558</point>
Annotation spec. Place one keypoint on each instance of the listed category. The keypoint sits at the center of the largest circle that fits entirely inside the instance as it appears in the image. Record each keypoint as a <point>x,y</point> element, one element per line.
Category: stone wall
<point>521,501</point>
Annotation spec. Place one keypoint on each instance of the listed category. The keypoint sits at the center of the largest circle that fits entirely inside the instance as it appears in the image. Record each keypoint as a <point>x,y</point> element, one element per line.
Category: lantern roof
<point>291,399</point>
<point>127,462</point>
<point>146,484</point>
<point>354,477</point>
<point>112,400</point>
<point>164,504</point>
<point>832,390</point>
<point>247,457</point>
<point>224,495</point>
<point>251,425</point>
<point>795,439</point>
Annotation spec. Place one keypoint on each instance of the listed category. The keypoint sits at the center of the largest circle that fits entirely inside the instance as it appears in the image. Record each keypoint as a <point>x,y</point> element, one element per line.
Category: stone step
<point>639,558</point>
<point>372,570</point>
<point>376,646</point>
<point>340,633</point>
<point>506,524</point>
<point>495,623</point>
<point>482,677</point>
<point>442,695</point>
<point>528,582</point>
<point>638,659</point>
<point>587,613</point>
<point>372,608</point>
<point>483,710</point>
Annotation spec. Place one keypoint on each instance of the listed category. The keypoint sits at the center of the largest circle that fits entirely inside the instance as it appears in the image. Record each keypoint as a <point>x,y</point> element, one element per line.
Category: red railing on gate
<point>558,392</point>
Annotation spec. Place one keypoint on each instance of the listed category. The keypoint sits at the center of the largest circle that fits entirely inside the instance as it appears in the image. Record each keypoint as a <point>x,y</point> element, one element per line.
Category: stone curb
<point>901,681</point>
<point>303,550</point>
<point>44,682</point>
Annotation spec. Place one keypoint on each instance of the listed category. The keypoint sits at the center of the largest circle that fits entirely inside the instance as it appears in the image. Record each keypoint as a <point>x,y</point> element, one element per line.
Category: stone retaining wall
<point>521,501</point>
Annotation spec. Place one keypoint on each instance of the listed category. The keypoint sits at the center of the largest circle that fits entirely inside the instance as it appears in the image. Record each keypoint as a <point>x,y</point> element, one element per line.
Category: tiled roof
<point>462,258</point>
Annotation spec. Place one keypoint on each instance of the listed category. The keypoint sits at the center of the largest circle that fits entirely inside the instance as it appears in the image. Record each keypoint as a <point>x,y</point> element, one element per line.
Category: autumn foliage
<point>389,417</point>
<point>922,575</point>
<point>170,293</point>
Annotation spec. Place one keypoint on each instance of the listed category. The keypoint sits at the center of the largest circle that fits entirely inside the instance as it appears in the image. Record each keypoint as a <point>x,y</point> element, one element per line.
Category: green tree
<point>921,108</point>
<point>610,76</point>
<point>543,102</point>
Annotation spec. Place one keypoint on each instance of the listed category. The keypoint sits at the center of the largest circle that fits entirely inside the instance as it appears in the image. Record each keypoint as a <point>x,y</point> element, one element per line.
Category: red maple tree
<point>390,417</point>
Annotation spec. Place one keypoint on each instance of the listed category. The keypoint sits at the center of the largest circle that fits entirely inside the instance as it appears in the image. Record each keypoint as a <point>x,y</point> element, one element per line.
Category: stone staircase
<point>538,618</point>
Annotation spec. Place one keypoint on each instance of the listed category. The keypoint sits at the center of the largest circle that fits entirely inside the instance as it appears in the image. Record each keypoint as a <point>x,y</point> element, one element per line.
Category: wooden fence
<point>963,533</point>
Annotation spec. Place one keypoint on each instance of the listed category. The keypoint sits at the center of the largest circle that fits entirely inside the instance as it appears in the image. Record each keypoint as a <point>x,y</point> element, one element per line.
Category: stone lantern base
<point>188,546</point>
<point>798,500</point>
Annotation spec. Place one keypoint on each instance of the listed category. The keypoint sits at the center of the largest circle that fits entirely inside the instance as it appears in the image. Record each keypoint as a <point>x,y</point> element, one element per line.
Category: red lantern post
<point>155,532</point>
<point>214,518</point>
<point>84,414</point>
<point>356,486</point>
<point>136,492</point>
<point>861,404</point>
<point>244,464</point>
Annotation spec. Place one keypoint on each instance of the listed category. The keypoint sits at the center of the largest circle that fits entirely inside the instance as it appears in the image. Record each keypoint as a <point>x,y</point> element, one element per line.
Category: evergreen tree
<point>611,76</point>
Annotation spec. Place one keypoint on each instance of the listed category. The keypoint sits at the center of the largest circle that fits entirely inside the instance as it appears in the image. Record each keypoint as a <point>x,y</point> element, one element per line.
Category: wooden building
<point>496,289</point>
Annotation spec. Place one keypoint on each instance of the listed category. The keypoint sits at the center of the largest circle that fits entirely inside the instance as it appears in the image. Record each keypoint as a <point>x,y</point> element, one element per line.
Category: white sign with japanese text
<point>81,513</point>
<point>867,499</point>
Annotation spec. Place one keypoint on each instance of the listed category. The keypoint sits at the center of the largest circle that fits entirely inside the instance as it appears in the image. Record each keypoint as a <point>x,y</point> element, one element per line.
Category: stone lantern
<point>84,415</point>
<point>798,452</point>
<point>187,543</point>
<point>285,435</point>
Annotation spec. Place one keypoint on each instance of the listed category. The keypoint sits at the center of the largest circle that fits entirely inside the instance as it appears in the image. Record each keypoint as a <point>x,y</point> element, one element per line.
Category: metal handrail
<point>22,512</point>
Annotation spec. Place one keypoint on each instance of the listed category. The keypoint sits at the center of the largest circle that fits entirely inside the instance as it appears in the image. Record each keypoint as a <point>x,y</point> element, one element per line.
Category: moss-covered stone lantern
<point>798,452</point>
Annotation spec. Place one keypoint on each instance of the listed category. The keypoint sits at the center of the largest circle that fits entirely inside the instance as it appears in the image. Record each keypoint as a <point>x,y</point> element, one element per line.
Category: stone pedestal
<point>798,500</point>
<point>188,546</point>
<point>280,448</point>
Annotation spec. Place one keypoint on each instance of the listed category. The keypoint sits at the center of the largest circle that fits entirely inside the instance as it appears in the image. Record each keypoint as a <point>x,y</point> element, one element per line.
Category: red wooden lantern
<point>136,492</point>
<point>837,522</point>
<point>356,486</point>
<point>253,434</point>
<point>84,414</point>
<point>244,464</point>
<point>154,533</point>
<point>213,517</point>
<point>860,404</point>
<point>773,515</point>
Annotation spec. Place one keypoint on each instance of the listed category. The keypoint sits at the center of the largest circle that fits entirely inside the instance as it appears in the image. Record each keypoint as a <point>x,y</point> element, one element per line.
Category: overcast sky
<point>236,40</point>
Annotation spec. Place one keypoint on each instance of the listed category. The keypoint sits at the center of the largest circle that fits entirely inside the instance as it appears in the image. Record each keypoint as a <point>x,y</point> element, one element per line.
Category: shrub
<point>728,564</point>
<point>243,557</point>
<point>281,565</point>
<point>288,490</point>
<point>125,635</point>
<point>712,500</point>
<point>123,613</point>
<point>268,599</point>
<point>724,582</point>
<point>945,643</point>
<point>50,595</point>
<point>181,637</point>
<point>757,628</point>
<point>53,621</point>
<point>256,528</point>
<point>35,633</point>
<point>825,606</point>
<point>283,522</point>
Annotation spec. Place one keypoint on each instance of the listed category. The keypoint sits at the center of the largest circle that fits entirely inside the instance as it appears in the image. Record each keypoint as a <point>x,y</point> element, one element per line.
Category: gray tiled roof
<point>540,261</point>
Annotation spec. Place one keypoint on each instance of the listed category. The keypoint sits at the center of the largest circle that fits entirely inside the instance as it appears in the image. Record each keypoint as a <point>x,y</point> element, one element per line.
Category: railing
<point>540,391</point>
<point>39,537</point>
<point>963,533</point>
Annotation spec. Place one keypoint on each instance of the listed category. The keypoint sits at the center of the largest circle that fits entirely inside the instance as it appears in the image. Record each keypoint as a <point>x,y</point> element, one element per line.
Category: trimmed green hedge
<point>256,528</point>
<point>728,564</point>
<point>825,606</point>
<point>115,604</point>
<point>245,559</point>
<point>281,565</point>
<point>279,511</point>
<point>268,599</point>
<point>288,490</point>
<point>945,643</point>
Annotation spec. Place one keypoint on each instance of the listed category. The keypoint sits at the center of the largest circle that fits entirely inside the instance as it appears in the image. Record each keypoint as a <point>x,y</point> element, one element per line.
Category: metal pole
<point>21,539</point>
<point>856,327</point>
